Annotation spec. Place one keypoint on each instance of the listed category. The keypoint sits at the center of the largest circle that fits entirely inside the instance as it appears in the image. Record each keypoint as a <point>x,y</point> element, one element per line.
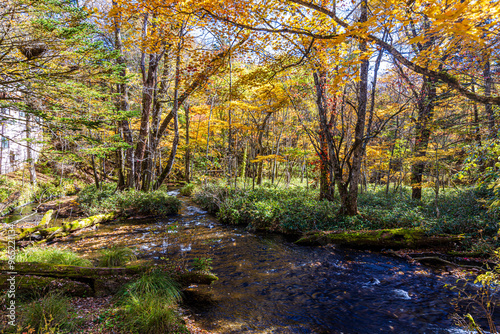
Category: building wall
<point>13,144</point>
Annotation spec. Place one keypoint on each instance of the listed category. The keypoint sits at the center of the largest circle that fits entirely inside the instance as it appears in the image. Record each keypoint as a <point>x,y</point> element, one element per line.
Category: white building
<point>13,139</point>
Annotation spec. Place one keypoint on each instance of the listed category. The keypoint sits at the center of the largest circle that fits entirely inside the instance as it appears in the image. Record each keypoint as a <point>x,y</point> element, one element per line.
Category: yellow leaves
<point>270,157</point>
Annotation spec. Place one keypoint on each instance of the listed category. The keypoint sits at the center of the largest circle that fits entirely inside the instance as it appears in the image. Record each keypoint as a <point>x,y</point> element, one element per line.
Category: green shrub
<point>156,203</point>
<point>202,264</point>
<point>148,305</point>
<point>50,314</point>
<point>187,190</point>
<point>211,196</point>
<point>51,256</point>
<point>94,201</point>
<point>155,283</point>
<point>150,315</point>
<point>116,256</point>
<point>293,210</point>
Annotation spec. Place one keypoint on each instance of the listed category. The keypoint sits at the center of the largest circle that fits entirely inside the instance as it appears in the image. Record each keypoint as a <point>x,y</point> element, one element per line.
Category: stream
<point>270,285</point>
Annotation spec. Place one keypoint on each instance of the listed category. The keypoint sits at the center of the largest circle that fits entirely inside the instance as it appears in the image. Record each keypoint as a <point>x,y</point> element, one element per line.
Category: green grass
<point>49,314</point>
<point>116,256</point>
<point>295,210</point>
<point>51,256</point>
<point>156,283</point>
<point>94,201</point>
<point>148,314</point>
<point>149,305</point>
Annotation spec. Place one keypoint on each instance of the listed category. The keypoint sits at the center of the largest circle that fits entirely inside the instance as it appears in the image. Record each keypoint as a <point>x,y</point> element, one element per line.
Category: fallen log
<point>49,233</point>
<point>78,281</point>
<point>379,239</point>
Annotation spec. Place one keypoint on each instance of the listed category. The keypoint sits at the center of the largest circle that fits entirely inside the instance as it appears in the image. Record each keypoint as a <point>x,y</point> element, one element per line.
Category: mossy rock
<point>196,277</point>
<point>378,239</point>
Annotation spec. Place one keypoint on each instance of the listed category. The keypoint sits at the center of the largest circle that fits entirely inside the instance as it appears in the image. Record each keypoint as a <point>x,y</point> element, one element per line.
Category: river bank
<point>267,283</point>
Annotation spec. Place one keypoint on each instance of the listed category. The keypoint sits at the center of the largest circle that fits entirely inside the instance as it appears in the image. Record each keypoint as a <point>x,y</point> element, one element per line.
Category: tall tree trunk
<point>148,90</point>
<point>208,127</point>
<point>187,161</point>
<point>350,204</point>
<point>29,151</point>
<point>423,133</point>
<point>477,126</point>
<point>230,124</point>
<point>171,159</point>
<point>488,86</point>
<point>123,105</point>
<point>326,184</point>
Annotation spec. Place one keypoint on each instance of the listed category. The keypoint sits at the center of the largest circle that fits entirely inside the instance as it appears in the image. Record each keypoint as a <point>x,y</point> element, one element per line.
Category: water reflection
<point>269,285</point>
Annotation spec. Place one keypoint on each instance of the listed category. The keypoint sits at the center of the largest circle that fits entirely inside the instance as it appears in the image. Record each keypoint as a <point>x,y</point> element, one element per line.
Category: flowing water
<point>269,285</point>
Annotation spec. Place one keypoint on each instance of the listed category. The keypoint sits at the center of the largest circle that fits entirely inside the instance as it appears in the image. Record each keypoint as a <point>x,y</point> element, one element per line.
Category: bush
<point>148,305</point>
<point>187,190</point>
<point>50,314</point>
<point>116,256</point>
<point>150,315</point>
<point>293,210</point>
<point>51,256</point>
<point>94,201</point>
<point>155,283</point>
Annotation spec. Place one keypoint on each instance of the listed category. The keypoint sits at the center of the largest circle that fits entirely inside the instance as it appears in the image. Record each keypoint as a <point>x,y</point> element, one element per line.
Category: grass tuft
<point>148,305</point>
<point>52,256</point>
<point>116,257</point>
<point>49,314</point>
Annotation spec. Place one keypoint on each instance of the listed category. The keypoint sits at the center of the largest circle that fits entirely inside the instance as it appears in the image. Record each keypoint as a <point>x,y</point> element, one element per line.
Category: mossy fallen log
<point>378,239</point>
<point>47,217</point>
<point>49,233</point>
<point>40,285</point>
<point>77,281</point>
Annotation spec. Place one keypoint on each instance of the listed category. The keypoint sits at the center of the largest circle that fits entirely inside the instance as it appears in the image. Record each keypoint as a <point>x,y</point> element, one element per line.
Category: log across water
<point>83,281</point>
<point>377,239</point>
<point>50,233</point>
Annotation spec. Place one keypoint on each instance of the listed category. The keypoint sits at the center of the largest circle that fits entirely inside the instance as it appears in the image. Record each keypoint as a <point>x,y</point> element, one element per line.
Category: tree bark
<point>168,168</point>
<point>350,205</point>
<point>423,133</point>
<point>187,161</point>
<point>488,107</point>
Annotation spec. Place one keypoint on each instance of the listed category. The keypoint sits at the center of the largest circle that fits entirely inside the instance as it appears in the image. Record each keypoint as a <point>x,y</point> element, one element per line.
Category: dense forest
<point>363,124</point>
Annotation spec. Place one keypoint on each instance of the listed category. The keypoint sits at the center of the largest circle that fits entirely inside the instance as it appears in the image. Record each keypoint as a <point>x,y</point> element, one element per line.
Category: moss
<point>60,231</point>
<point>386,238</point>
<point>31,284</point>
<point>196,277</point>
<point>47,217</point>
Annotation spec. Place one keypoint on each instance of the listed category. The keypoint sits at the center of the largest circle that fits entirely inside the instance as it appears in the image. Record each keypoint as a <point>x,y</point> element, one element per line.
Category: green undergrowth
<point>295,210</point>
<point>52,313</point>
<point>51,256</point>
<point>149,305</point>
<point>116,257</point>
<point>108,199</point>
<point>187,190</point>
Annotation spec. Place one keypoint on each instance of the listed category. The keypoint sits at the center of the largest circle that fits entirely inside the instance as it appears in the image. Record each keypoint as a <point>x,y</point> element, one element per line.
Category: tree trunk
<point>30,160</point>
<point>123,105</point>
<point>170,162</point>
<point>326,184</point>
<point>187,161</point>
<point>350,206</point>
<point>423,134</point>
<point>488,85</point>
